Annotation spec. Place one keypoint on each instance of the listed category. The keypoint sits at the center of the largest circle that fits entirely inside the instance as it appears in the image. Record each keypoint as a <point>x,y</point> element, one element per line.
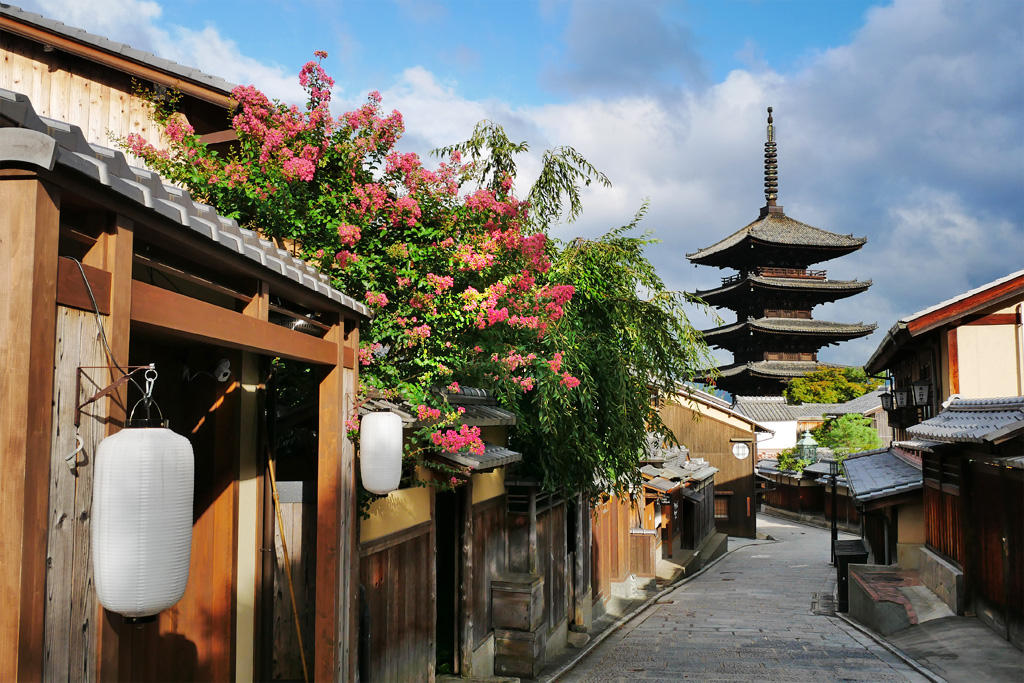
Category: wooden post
<point>29,226</point>
<point>467,598</point>
<point>249,501</point>
<point>330,534</point>
<point>113,252</point>
<point>337,557</point>
<point>348,621</point>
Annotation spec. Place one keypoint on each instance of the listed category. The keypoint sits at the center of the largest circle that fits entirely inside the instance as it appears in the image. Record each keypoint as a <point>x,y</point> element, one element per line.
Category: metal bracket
<point>109,389</point>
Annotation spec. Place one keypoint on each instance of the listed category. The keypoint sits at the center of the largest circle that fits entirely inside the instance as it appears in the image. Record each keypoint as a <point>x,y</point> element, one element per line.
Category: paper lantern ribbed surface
<point>142,520</point>
<point>380,452</point>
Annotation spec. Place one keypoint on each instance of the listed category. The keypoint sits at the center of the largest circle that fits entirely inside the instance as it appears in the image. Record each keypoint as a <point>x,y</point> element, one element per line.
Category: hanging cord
<point>99,324</point>
<point>287,567</point>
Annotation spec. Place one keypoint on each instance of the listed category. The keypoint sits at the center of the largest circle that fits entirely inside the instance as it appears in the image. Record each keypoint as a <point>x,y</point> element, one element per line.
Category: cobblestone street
<point>749,617</point>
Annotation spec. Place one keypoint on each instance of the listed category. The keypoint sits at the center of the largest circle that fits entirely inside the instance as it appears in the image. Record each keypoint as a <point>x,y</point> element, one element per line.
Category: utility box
<point>847,553</point>
<point>517,602</point>
<point>519,653</point>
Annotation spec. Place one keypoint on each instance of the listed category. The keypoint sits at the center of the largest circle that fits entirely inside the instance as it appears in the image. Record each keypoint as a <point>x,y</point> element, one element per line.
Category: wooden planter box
<point>517,602</point>
<point>518,653</point>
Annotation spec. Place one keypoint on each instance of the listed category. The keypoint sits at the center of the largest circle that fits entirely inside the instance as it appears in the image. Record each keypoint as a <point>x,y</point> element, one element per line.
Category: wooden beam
<point>29,224</point>
<point>219,136</point>
<point>71,290</point>
<point>183,316</point>
<point>117,62</point>
<point>994,319</point>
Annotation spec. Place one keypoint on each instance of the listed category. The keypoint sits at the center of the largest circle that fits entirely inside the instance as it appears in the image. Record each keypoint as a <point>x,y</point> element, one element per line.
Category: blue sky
<point>516,50</point>
<point>900,121</point>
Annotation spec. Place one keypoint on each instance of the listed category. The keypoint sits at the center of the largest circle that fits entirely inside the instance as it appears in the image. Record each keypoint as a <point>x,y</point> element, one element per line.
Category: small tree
<point>851,433</point>
<point>830,385</point>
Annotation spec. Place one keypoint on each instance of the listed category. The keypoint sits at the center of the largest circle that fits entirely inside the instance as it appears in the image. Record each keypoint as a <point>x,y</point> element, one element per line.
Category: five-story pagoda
<point>774,338</point>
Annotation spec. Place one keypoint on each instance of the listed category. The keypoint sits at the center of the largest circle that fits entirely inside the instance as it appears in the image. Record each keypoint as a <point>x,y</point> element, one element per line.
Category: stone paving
<point>747,618</point>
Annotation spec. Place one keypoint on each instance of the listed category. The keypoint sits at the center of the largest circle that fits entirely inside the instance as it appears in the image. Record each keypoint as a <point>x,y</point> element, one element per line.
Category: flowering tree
<point>454,266</point>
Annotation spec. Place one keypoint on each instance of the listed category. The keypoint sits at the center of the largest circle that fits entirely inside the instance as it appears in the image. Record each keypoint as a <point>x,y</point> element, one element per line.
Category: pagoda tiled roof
<point>774,369</point>
<point>793,326</point>
<point>791,283</point>
<point>778,229</point>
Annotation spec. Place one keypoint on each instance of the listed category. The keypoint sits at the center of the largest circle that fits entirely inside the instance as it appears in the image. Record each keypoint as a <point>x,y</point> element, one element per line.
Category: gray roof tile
<point>880,474</point>
<point>110,168</point>
<point>990,420</point>
<point>780,229</point>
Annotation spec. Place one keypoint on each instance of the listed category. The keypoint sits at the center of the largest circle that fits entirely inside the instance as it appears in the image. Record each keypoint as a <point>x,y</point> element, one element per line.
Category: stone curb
<point>880,639</point>
<point>622,621</point>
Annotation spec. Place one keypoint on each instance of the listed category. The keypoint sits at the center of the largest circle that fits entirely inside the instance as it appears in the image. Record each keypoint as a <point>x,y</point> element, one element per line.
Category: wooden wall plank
<point>348,630</point>
<point>79,601</point>
<point>71,289</point>
<point>29,225</point>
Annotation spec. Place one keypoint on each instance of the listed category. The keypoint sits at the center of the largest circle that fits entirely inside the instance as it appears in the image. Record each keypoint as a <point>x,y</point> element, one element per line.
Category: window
<point>721,506</point>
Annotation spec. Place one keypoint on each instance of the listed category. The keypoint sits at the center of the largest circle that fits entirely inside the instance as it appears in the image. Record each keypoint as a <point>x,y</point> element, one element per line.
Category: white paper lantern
<point>142,520</point>
<point>380,452</point>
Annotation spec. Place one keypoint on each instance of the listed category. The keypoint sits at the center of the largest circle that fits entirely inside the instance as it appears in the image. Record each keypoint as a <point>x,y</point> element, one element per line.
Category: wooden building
<point>969,346</point>
<point>775,338</point>
<point>427,559</point>
<point>89,81</point>
<point>728,441</point>
<point>973,464</point>
<point>179,286</point>
<point>885,485</point>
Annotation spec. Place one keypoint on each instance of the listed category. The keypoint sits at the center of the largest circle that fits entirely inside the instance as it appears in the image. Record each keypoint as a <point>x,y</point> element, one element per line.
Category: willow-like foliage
<point>626,336</point>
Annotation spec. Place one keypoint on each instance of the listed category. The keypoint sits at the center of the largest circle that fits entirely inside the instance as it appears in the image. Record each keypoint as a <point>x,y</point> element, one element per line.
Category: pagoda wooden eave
<point>814,291</point>
<point>765,330</point>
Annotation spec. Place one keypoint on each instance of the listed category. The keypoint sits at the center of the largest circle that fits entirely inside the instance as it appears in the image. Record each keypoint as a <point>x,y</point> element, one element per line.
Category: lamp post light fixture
<point>901,397</point>
<point>886,402</point>
<point>807,447</point>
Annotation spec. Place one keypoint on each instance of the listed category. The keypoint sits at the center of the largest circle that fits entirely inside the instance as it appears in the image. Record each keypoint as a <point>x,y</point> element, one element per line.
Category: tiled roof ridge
<point>110,168</point>
<point>999,404</point>
<point>121,49</point>
<point>788,282</point>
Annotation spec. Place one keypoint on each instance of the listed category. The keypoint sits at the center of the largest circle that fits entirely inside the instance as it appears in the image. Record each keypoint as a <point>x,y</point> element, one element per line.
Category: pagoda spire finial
<point>771,167</point>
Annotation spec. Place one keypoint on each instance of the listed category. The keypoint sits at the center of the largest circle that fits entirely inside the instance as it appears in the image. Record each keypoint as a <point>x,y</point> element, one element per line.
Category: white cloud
<point>909,135</point>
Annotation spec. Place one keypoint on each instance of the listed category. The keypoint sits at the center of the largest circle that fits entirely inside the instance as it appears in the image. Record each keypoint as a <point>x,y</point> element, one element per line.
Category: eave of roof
<point>773,368</point>
<point>54,145</point>
<point>944,313</point>
<point>113,54</point>
<point>694,394</point>
<point>989,420</point>
<point>780,230</point>
<point>792,326</point>
<point>811,285</point>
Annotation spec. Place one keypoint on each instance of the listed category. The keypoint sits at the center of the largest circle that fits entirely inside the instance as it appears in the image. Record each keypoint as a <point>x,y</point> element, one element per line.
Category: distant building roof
<point>880,474</point>
<point>986,420</point>
<point>26,138</point>
<point>676,472</point>
<point>779,229</point>
<point>945,312</point>
<point>775,408</point>
<point>15,16</point>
